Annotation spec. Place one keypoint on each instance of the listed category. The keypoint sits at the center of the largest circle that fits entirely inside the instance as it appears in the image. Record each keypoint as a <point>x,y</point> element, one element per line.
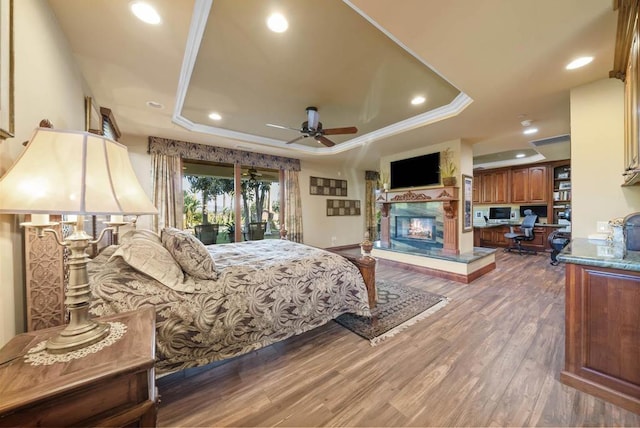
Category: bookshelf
<point>561,193</point>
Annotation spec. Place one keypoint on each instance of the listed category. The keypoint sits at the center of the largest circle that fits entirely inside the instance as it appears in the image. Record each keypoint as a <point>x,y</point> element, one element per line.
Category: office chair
<point>558,240</point>
<point>207,233</point>
<point>256,230</point>
<point>525,234</point>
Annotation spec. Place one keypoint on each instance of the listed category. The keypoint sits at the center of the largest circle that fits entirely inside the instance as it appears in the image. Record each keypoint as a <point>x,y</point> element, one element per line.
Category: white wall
<point>320,230</point>
<point>47,85</point>
<point>597,157</point>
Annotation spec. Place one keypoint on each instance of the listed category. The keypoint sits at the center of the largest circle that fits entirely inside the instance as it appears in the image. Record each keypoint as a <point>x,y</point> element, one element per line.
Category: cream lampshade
<point>77,173</point>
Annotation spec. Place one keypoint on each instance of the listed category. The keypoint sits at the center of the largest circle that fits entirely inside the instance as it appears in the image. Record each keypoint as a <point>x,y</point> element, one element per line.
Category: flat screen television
<point>500,213</point>
<point>539,210</point>
<point>415,172</point>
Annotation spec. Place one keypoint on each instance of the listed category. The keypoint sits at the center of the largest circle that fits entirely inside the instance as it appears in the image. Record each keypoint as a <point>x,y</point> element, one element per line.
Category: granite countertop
<point>588,252</point>
<point>516,223</point>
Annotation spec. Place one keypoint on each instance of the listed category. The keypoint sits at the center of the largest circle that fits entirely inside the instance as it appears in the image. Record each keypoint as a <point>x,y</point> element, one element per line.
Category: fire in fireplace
<point>421,228</point>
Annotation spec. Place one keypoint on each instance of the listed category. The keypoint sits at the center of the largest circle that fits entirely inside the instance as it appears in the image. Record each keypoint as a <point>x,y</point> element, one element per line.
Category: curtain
<point>167,191</point>
<point>371,183</point>
<point>293,207</point>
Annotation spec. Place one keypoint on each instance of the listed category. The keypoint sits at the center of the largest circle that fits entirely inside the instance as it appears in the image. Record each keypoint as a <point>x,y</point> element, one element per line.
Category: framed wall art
<point>327,186</point>
<point>467,198</point>
<point>6,69</point>
<point>338,207</point>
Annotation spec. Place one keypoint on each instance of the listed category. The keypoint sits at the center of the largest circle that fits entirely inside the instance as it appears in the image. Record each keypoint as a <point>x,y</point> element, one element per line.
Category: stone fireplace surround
<point>442,258</point>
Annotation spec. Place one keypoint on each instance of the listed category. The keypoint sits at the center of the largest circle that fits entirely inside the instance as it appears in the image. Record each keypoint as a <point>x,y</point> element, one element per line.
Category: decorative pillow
<point>139,234</point>
<point>190,253</point>
<point>153,260</point>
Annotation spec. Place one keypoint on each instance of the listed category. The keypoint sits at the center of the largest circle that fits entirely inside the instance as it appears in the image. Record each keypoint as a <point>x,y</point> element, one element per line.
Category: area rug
<point>399,306</point>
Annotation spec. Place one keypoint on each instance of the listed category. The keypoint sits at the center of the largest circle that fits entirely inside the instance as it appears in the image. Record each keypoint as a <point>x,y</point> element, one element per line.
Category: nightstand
<point>113,387</point>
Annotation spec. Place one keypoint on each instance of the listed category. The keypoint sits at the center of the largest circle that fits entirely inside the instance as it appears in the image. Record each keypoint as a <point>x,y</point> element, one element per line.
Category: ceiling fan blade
<point>324,140</point>
<point>282,127</point>
<point>296,139</point>
<point>336,131</point>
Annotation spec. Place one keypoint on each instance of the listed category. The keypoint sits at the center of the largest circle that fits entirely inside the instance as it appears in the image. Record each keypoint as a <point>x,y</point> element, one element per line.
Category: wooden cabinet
<point>477,179</point>
<point>602,328</point>
<point>494,237</point>
<point>494,187</point>
<point>529,184</point>
<point>114,386</point>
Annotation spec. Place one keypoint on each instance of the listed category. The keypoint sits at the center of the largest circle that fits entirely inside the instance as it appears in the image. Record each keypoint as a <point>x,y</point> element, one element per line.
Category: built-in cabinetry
<point>603,333</point>
<point>494,237</point>
<point>529,184</point>
<point>625,68</point>
<point>494,187</point>
<point>561,193</point>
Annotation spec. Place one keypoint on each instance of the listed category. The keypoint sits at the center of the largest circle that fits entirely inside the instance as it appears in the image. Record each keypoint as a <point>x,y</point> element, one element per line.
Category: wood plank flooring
<point>492,357</point>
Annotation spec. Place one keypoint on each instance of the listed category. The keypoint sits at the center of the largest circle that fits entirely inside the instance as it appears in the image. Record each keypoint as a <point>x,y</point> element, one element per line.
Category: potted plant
<point>447,168</point>
<point>231,228</point>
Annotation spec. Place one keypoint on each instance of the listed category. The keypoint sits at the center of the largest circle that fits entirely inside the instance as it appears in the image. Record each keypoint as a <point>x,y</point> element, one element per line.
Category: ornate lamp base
<point>79,337</point>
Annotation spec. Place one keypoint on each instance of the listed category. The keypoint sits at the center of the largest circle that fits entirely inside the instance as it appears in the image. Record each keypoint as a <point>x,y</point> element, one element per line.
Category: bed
<point>219,301</point>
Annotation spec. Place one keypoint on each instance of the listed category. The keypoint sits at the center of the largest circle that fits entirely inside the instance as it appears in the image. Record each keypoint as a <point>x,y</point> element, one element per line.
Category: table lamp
<point>73,173</point>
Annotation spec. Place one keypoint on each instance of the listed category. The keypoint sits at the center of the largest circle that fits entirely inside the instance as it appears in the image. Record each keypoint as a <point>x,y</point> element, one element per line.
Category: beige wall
<point>597,157</point>
<point>463,157</point>
<point>320,230</point>
<point>47,85</point>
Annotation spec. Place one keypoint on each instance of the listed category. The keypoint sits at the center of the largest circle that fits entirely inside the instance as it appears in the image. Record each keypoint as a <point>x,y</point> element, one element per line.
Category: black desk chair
<point>207,233</point>
<point>256,230</point>
<point>525,234</point>
<point>558,240</point>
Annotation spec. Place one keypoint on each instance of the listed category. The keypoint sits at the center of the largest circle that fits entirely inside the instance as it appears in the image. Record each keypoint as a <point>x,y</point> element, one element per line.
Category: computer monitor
<point>499,213</point>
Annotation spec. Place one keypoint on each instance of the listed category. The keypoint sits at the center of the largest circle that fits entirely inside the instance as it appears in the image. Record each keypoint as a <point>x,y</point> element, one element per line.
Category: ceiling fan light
<point>530,131</point>
<point>277,23</point>
<point>145,12</point>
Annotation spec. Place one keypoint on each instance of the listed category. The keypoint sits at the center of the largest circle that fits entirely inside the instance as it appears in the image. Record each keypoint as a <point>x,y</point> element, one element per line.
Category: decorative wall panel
<point>327,186</point>
<point>338,207</point>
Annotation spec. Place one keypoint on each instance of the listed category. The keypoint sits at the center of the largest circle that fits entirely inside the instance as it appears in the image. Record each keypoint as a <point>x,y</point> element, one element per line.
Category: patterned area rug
<point>398,307</point>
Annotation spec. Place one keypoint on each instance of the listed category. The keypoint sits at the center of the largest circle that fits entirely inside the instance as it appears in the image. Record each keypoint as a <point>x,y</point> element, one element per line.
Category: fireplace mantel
<point>447,195</point>
<point>439,194</point>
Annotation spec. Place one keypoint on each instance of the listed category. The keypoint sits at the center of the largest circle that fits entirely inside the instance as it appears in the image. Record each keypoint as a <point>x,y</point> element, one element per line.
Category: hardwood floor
<point>492,357</point>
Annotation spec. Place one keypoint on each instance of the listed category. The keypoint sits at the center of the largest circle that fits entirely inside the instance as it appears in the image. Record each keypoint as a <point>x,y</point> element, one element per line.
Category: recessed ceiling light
<point>215,116</point>
<point>530,131</point>
<point>154,104</point>
<point>277,23</point>
<point>520,155</point>
<point>580,62</point>
<point>145,12</point>
<point>418,100</point>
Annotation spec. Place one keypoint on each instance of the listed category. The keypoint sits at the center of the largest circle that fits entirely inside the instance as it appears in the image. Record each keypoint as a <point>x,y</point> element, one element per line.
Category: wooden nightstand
<point>113,387</point>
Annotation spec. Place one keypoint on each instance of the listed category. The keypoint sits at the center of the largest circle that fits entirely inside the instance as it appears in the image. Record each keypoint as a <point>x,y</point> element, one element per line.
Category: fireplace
<point>416,228</point>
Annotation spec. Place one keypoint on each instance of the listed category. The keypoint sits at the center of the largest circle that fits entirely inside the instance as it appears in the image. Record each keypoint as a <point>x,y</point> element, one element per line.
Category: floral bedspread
<point>266,291</point>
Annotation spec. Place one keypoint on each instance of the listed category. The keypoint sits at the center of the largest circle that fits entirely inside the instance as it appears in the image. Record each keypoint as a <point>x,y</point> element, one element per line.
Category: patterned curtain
<point>293,208</point>
<point>167,191</point>
<point>371,183</point>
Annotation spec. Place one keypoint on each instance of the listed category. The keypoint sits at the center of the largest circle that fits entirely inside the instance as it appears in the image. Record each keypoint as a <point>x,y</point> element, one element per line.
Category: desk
<point>113,387</point>
<point>492,235</point>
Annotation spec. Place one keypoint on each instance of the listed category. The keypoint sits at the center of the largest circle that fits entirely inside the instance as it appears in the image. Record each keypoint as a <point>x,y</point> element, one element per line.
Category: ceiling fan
<point>312,127</point>
<point>252,173</point>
